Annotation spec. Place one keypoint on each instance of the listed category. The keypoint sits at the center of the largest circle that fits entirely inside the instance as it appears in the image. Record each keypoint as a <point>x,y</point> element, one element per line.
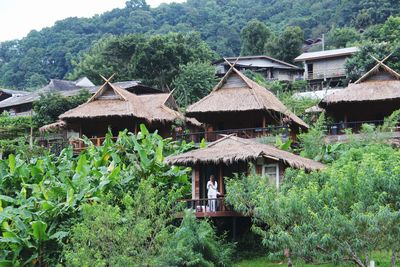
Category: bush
<point>195,243</point>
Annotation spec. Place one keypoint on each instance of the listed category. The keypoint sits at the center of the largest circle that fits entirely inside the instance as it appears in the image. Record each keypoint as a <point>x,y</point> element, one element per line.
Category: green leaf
<point>11,163</point>
<point>203,143</point>
<point>144,130</point>
<point>59,235</point>
<point>39,230</point>
<point>159,151</point>
<point>7,199</point>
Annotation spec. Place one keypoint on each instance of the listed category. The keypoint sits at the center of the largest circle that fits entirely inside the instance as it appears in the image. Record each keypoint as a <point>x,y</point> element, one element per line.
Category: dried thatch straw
<point>52,126</point>
<point>236,92</point>
<point>112,101</point>
<point>380,83</point>
<point>232,149</point>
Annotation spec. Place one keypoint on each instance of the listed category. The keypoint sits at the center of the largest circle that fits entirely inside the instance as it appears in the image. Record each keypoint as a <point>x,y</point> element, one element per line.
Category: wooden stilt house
<point>239,105</point>
<point>229,155</point>
<point>370,99</point>
<point>114,108</point>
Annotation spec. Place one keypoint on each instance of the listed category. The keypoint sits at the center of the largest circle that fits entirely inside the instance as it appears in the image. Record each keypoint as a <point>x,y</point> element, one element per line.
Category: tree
<point>390,30</point>
<point>42,198</point>
<point>195,243</point>
<point>51,105</point>
<point>107,56</point>
<point>362,61</point>
<point>342,37</point>
<point>194,81</point>
<point>338,214</point>
<point>157,61</point>
<point>254,37</point>
<point>287,45</point>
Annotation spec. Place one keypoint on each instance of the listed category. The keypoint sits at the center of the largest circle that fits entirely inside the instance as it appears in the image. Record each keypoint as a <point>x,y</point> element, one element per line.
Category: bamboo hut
<point>370,99</point>
<point>237,102</point>
<point>232,154</point>
<point>114,108</point>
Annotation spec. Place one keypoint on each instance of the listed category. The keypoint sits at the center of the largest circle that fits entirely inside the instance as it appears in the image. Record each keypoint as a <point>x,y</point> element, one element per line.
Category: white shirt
<point>212,189</point>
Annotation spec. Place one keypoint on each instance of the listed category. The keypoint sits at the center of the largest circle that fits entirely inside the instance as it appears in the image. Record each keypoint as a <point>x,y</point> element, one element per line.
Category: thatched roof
<point>113,101</point>
<point>236,92</point>
<point>52,126</point>
<point>380,83</point>
<point>233,149</point>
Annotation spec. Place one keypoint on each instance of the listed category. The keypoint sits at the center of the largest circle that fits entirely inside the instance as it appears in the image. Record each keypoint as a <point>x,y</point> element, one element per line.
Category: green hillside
<point>49,53</point>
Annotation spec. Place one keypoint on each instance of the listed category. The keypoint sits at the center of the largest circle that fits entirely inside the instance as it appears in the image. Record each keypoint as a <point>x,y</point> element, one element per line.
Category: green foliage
<point>194,81</point>
<point>51,105</point>
<point>362,61</point>
<point>338,214</point>
<point>13,135</point>
<point>109,55</point>
<point>312,143</point>
<point>41,197</point>
<point>254,36</point>
<point>157,61</point>
<point>50,53</point>
<point>154,59</point>
<point>109,235</point>
<point>342,37</point>
<point>287,45</point>
<point>195,243</point>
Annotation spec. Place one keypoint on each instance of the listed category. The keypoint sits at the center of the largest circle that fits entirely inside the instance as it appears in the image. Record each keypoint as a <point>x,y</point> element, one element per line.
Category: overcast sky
<point>19,17</point>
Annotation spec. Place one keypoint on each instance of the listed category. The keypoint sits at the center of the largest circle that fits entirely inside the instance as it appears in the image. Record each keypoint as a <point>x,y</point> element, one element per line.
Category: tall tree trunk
<point>357,260</point>
<point>393,259</point>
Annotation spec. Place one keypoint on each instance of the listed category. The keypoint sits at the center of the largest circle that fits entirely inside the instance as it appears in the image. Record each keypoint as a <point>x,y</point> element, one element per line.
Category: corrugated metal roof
<point>327,54</point>
<point>259,61</point>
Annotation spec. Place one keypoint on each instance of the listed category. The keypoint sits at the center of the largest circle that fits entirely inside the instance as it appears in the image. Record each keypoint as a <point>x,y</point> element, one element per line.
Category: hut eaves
<point>247,96</point>
<point>232,149</point>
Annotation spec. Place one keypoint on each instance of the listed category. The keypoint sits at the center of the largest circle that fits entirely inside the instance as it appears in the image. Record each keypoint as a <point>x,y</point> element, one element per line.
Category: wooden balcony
<point>206,207</point>
<point>354,126</point>
<point>78,145</point>
<point>257,132</point>
<point>326,74</point>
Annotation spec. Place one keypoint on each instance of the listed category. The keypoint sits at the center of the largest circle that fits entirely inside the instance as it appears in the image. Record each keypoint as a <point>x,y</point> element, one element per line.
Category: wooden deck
<point>210,208</point>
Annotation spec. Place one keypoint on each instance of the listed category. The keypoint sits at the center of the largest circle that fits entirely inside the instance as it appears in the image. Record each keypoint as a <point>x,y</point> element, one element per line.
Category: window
<point>272,171</point>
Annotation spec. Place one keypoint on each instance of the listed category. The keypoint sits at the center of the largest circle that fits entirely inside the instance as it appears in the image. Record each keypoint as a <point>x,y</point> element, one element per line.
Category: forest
<point>118,202</point>
<point>53,52</point>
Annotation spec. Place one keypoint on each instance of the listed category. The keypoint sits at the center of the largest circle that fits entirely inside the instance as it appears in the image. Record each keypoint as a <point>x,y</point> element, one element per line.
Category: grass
<point>382,258</point>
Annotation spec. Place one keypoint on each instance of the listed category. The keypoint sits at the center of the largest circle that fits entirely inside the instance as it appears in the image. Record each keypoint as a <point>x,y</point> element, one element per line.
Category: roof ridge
<point>376,67</point>
<point>220,140</point>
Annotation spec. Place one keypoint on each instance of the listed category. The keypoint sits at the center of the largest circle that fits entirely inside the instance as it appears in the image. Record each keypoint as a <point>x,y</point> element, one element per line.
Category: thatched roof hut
<point>113,101</point>
<point>380,83</point>
<point>237,93</point>
<point>371,98</point>
<point>231,149</point>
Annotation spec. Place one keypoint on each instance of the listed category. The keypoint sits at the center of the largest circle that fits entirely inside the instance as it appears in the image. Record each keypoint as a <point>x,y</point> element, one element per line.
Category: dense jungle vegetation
<point>53,52</point>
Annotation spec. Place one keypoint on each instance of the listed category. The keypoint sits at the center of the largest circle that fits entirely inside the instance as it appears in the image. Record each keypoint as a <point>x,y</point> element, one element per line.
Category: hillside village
<point>181,157</point>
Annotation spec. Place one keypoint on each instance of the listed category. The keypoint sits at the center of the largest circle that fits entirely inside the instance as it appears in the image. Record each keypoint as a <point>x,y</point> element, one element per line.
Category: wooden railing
<point>207,205</point>
<point>79,145</point>
<point>327,73</point>
<point>210,136</point>
<point>354,126</point>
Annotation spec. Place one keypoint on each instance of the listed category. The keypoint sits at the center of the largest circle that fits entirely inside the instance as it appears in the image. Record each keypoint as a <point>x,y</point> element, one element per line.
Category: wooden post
<point>135,128</point>
<point>221,179</point>
<point>221,185</point>
<point>196,182</point>
<point>264,123</point>
<point>233,228</point>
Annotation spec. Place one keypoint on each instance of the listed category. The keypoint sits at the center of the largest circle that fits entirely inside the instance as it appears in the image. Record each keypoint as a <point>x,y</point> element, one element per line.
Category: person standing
<point>212,187</point>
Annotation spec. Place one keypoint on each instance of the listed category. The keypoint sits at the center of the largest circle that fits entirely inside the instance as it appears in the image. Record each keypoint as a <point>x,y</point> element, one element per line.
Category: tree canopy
<point>50,53</point>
